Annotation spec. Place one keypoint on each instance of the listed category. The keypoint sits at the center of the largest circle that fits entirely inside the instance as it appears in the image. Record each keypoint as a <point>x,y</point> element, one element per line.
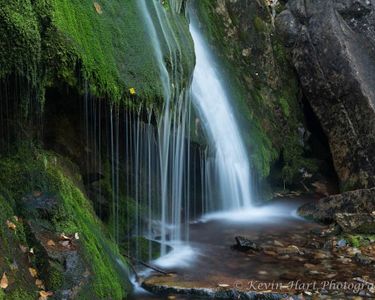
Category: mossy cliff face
<point>92,258</point>
<point>263,84</point>
<point>95,46</point>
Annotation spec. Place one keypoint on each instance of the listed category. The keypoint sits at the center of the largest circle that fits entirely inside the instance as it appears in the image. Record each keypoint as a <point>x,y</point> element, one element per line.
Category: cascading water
<point>155,176</point>
<point>172,124</point>
<point>227,166</point>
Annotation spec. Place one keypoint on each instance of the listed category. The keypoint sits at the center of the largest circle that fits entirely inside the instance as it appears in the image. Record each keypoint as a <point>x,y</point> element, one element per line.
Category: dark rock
<point>354,202</point>
<point>332,45</point>
<point>244,244</point>
<point>91,178</point>
<point>63,268</point>
<point>39,205</point>
<point>356,223</point>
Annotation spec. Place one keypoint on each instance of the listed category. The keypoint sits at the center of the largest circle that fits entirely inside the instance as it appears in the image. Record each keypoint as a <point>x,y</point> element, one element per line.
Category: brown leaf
<point>23,248</point>
<point>33,272</point>
<point>4,281</point>
<point>51,243</point>
<point>44,295</point>
<point>98,8</point>
<point>11,225</point>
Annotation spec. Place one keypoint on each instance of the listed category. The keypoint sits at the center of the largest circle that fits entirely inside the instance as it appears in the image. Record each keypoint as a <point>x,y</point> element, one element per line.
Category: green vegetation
<point>102,47</point>
<point>31,169</point>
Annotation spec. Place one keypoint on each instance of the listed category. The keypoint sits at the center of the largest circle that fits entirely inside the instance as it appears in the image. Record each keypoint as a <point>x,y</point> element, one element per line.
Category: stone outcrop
<point>332,44</point>
<point>353,211</point>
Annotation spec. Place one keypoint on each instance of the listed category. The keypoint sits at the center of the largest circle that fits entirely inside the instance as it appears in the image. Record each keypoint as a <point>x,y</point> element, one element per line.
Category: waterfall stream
<point>227,164</point>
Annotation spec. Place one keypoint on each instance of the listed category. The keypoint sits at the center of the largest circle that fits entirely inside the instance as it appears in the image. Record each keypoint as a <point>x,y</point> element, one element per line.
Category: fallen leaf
<point>64,237</point>
<point>132,91</point>
<point>4,281</point>
<point>44,295</point>
<point>39,284</point>
<point>98,8</point>
<point>33,272</point>
<point>23,248</point>
<point>31,250</point>
<point>51,243</point>
<point>11,225</point>
<point>76,236</point>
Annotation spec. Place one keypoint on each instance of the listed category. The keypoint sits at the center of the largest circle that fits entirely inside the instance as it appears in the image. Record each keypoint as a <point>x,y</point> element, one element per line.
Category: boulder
<point>326,209</point>
<point>356,223</point>
<point>332,45</point>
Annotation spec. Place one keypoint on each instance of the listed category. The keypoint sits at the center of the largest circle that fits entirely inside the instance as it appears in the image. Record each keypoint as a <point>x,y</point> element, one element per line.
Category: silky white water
<point>227,164</point>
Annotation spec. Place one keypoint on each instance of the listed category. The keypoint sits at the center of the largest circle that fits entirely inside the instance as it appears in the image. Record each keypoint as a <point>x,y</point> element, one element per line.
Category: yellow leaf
<point>11,225</point>
<point>33,272</point>
<point>51,243</point>
<point>98,8</point>
<point>132,91</point>
<point>4,281</point>
<point>39,284</point>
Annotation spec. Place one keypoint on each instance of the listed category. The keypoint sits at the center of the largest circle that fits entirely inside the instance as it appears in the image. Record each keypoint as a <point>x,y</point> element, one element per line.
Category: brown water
<point>215,262</point>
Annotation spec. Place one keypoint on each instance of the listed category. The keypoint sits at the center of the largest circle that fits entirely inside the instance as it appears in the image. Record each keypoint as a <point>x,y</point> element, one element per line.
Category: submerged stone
<point>244,244</point>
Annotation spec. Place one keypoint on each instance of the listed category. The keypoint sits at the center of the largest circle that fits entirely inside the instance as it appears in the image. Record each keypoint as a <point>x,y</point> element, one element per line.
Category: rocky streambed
<point>280,257</point>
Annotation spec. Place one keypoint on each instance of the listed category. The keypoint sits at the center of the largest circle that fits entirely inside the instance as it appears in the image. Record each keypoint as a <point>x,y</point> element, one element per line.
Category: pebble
<point>277,243</point>
<point>289,250</point>
<point>363,259</point>
<point>341,243</point>
<point>270,253</point>
<point>321,255</point>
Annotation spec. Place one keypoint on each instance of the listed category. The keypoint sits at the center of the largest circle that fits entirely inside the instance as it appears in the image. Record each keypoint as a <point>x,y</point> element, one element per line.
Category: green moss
<point>55,278</point>
<point>20,294</point>
<point>354,241</point>
<point>260,25</point>
<point>20,43</point>
<point>54,42</point>
<point>31,169</point>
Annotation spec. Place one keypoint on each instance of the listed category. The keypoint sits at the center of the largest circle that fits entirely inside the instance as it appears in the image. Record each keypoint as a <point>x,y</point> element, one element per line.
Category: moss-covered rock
<point>31,169</point>
<point>98,47</point>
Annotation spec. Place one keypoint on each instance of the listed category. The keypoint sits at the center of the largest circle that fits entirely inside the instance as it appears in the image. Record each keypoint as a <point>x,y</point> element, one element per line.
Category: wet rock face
<point>332,43</point>
<point>353,211</point>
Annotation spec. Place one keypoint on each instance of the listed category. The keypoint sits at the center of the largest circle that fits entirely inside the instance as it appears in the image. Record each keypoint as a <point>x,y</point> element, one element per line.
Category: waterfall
<point>155,178</point>
<point>227,168</point>
<point>172,124</point>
